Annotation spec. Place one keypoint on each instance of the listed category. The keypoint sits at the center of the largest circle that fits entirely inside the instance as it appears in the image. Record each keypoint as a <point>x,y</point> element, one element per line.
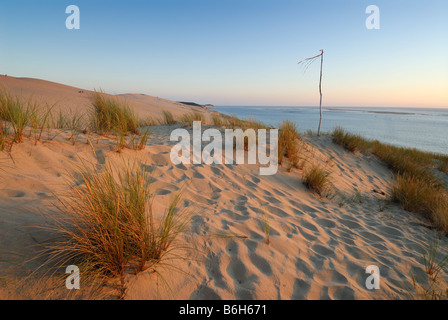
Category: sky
<point>235,52</point>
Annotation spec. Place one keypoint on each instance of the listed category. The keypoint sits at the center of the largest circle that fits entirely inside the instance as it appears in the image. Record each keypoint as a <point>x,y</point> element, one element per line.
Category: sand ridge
<point>318,249</point>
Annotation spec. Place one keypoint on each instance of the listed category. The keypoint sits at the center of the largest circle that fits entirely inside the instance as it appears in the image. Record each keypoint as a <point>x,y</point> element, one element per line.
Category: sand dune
<point>319,247</point>
<point>71,99</point>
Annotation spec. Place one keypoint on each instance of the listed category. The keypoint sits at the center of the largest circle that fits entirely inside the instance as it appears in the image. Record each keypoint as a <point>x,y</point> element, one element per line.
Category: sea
<point>422,128</point>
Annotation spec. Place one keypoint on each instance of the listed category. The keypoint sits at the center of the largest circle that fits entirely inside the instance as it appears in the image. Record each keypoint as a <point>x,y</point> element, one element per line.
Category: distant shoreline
<point>394,110</point>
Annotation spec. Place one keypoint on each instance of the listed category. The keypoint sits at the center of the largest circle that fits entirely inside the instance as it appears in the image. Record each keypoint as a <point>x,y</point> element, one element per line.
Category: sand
<point>319,246</point>
<point>70,99</point>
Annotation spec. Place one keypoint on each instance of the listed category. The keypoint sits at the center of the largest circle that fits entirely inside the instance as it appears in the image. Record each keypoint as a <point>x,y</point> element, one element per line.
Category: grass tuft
<point>188,118</point>
<point>17,113</point>
<point>414,186</point>
<point>111,115</point>
<point>417,195</point>
<point>108,226</point>
<point>317,179</point>
<point>287,144</point>
<point>351,142</point>
<point>168,118</point>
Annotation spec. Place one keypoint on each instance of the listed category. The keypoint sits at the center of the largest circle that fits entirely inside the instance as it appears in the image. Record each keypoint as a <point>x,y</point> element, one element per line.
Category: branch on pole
<point>306,63</point>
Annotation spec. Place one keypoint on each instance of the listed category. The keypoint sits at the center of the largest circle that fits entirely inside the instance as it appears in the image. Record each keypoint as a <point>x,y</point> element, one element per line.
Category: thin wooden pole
<point>320,90</point>
<point>306,63</point>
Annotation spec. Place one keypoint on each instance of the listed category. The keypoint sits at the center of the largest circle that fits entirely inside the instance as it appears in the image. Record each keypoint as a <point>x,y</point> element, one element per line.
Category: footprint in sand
<point>323,251</point>
<point>259,262</point>
<point>306,209</point>
<point>250,184</point>
<point>163,192</point>
<point>317,261</point>
<point>232,248</point>
<point>235,216</point>
<point>332,277</point>
<point>197,175</point>
<point>255,180</point>
<point>353,225</point>
<point>325,223</point>
<point>272,200</point>
<point>371,236</point>
<point>213,264</point>
<point>300,289</point>
<point>304,267</point>
<point>216,171</point>
<point>181,166</point>
<point>281,194</point>
<point>225,224</point>
<point>306,235</point>
<point>393,232</point>
<point>276,211</point>
<point>204,293</point>
<point>310,226</point>
<point>243,282</point>
<point>341,293</point>
<point>12,194</point>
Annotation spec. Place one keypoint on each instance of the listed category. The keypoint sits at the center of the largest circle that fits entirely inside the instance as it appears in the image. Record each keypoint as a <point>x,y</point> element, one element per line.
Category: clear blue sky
<point>235,52</point>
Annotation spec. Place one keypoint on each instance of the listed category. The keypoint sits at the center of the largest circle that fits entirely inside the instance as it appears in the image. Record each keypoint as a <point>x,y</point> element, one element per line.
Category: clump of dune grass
<point>198,116</point>
<point>430,291</point>
<point>234,122</point>
<point>39,121</point>
<point>218,120</point>
<point>433,263</point>
<point>3,135</point>
<point>252,123</point>
<point>317,179</point>
<point>168,118</point>
<point>148,121</point>
<point>431,288</point>
<point>414,186</point>
<point>111,115</point>
<point>416,194</point>
<point>442,163</point>
<point>287,143</point>
<point>135,141</point>
<point>310,133</point>
<point>351,142</point>
<point>188,118</point>
<point>16,112</point>
<point>108,227</point>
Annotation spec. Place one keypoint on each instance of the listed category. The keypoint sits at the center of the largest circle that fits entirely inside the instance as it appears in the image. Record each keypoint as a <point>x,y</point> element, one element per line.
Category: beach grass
<point>188,118</point>
<point>3,135</point>
<point>17,113</point>
<point>108,226</point>
<point>414,186</point>
<point>351,142</point>
<point>430,287</point>
<point>218,120</point>
<point>417,195</point>
<point>111,115</point>
<point>287,144</point>
<point>168,118</point>
<point>317,179</point>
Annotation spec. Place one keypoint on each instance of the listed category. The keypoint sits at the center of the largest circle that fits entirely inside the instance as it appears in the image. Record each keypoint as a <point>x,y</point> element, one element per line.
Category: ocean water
<point>421,128</point>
